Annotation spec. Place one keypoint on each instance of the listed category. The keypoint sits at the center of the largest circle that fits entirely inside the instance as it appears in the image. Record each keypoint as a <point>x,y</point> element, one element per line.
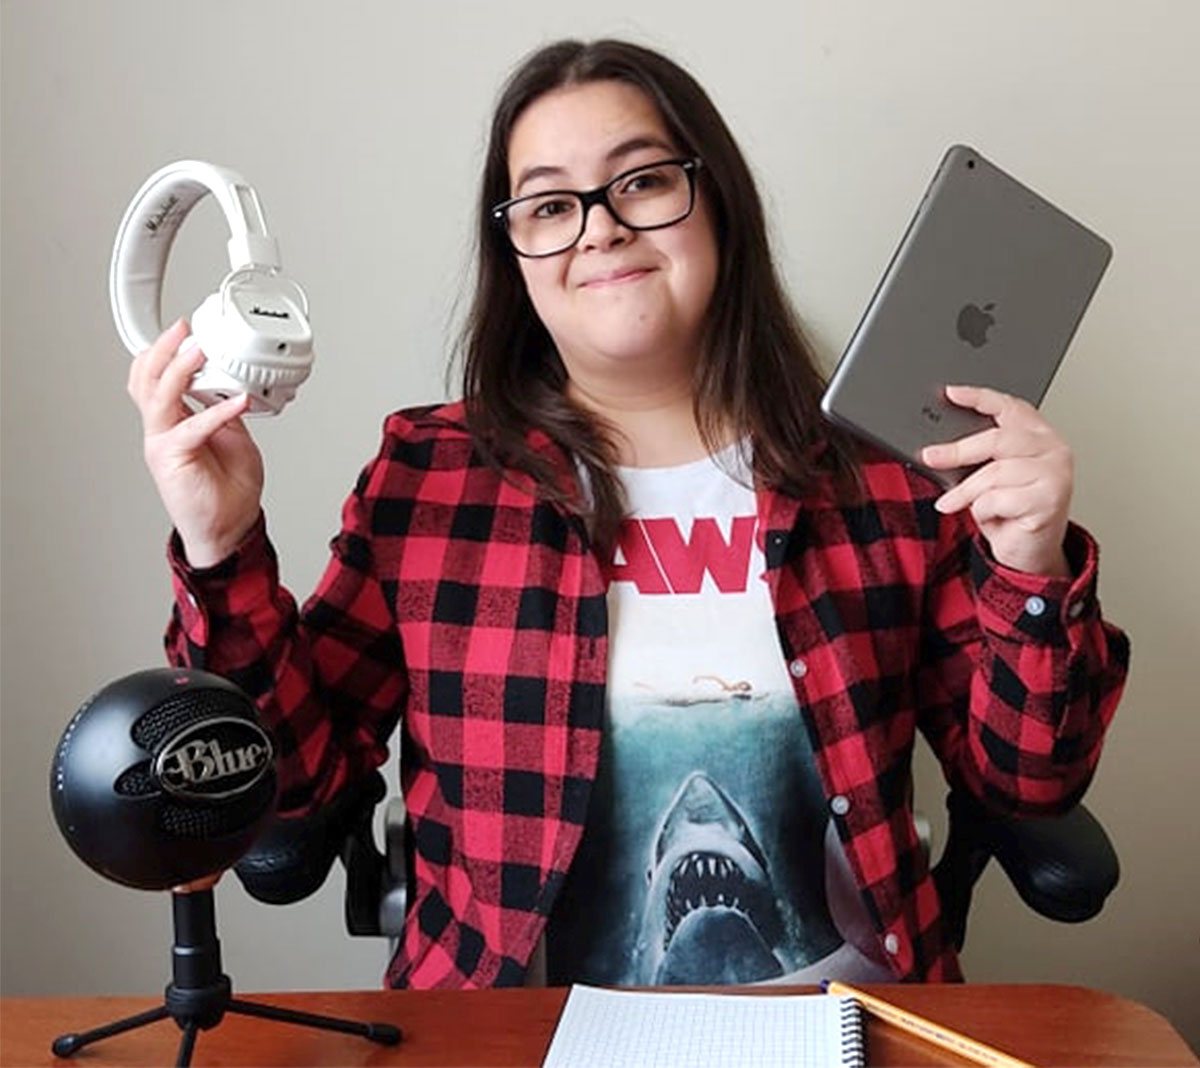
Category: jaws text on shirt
<point>655,555</point>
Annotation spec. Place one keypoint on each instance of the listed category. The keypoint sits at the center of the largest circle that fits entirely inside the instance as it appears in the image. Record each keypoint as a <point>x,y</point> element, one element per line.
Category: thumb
<point>194,431</point>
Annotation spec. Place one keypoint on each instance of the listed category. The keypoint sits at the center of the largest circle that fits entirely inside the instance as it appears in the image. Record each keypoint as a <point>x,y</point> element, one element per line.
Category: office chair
<point>1063,867</point>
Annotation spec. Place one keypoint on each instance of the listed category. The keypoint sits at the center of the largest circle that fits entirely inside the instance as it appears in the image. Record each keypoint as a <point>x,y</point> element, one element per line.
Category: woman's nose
<point>601,228</point>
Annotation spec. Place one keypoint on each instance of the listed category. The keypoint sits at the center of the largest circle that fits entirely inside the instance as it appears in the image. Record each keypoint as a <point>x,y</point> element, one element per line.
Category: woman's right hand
<point>206,466</point>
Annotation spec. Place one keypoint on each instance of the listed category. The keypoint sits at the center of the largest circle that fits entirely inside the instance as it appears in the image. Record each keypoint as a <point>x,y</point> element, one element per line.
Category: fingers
<point>1020,491</point>
<point>148,365</point>
<point>995,443</point>
<point>196,429</point>
<point>163,406</point>
<point>1031,506</point>
<point>182,442</point>
<point>160,375</point>
<point>1034,493</point>
<point>158,380</point>
<point>1020,430</point>
<point>1003,407</point>
<point>998,475</point>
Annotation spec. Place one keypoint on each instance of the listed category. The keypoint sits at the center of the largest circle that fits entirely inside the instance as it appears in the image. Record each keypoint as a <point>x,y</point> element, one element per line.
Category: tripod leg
<point>65,1045</point>
<point>384,1034</point>
<point>187,1043</point>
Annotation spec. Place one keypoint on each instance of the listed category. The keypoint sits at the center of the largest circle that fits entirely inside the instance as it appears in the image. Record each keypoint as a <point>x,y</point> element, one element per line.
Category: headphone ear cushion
<point>207,328</point>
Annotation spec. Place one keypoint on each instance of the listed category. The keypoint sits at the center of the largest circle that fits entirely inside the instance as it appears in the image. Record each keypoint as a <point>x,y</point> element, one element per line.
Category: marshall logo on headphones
<point>214,759</point>
<point>155,222</point>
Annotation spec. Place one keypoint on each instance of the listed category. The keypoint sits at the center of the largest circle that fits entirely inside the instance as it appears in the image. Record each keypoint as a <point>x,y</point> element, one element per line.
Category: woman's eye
<point>644,182</point>
<point>552,209</point>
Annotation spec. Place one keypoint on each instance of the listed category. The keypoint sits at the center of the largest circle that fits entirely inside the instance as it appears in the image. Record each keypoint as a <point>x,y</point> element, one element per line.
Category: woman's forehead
<point>581,130</point>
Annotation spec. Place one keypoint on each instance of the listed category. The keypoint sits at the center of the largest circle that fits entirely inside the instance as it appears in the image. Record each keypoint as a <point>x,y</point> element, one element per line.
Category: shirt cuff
<point>200,591</point>
<point>1045,609</point>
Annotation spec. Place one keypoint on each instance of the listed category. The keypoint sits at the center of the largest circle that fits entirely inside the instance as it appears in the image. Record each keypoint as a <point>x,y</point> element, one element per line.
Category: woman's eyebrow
<point>635,144</point>
<point>625,148</point>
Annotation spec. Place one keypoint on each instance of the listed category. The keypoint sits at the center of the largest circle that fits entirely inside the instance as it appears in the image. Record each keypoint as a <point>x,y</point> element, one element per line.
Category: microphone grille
<point>183,709</point>
<point>136,781</point>
<point>216,820</point>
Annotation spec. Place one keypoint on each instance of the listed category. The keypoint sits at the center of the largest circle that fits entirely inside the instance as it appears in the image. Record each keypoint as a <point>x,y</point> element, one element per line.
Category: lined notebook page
<point>601,1028</point>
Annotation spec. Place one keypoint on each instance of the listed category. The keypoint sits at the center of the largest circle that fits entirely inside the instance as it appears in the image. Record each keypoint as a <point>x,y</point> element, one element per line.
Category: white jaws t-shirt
<point>708,855</point>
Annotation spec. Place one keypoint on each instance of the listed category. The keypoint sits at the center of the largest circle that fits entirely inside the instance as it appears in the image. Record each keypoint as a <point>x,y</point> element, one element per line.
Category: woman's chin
<point>636,344</point>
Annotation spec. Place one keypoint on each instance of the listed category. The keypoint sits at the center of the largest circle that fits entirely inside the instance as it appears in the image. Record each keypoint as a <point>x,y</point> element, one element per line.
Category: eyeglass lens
<point>644,199</point>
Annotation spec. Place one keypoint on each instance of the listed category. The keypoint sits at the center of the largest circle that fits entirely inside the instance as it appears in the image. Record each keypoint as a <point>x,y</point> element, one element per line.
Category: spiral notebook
<point>602,1028</point>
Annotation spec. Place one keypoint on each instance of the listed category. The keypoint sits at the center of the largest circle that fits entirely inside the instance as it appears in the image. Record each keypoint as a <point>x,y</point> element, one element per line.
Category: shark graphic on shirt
<point>711,914</point>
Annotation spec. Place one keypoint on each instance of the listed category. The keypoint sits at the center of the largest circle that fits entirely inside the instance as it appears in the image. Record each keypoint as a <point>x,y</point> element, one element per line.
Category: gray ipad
<point>986,288</point>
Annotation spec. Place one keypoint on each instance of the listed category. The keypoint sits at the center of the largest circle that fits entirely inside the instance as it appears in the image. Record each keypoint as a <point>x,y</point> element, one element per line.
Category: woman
<point>657,640</point>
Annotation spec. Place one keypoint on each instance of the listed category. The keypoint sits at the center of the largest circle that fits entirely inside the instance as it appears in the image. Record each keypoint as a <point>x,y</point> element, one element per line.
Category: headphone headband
<point>148,231</point>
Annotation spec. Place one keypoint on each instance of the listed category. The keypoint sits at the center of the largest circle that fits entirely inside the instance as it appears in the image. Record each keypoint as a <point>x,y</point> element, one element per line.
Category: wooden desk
<point>1047,1025</point>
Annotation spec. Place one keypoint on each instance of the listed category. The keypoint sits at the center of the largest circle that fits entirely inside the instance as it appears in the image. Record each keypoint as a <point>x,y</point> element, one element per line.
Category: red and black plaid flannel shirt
<point>472,615</point>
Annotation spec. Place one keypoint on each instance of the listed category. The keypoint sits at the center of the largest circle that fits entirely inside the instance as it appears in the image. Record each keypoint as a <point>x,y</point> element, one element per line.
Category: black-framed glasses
<point>649,197</point>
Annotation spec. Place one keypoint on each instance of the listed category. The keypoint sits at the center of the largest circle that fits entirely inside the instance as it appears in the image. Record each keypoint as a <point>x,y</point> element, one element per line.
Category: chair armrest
<point>291,859</point>
<point>366,873</point>
<point>393,904</point>
<point>376,883</point>
<point>1063,867</point>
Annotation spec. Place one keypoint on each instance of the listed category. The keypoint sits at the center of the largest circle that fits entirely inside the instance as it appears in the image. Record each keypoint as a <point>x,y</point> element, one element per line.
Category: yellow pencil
<point>979,1052</point>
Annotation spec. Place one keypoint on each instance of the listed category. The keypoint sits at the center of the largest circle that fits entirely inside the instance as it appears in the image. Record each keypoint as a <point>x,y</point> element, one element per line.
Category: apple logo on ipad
<point>974,323</point>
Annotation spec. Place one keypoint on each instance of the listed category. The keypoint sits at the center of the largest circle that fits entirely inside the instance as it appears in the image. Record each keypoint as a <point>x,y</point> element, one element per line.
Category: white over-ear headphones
<point>254,330</point>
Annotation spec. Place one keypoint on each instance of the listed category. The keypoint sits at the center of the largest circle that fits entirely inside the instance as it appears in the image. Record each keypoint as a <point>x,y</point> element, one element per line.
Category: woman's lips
<point>617,277</point>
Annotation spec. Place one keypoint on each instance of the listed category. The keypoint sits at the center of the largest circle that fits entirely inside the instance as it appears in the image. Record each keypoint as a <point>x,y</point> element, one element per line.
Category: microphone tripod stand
<point>199,994</point>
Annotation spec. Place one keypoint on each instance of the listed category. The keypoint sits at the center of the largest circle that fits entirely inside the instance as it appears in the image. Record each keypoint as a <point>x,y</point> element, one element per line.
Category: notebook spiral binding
<point>854,1043</point>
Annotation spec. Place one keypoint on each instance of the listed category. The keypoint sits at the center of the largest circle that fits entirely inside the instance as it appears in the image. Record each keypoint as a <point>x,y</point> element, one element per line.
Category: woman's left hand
<point>1021,494</point>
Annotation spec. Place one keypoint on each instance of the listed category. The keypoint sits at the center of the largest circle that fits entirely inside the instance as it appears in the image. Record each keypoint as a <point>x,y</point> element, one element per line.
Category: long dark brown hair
<point>757,373</point>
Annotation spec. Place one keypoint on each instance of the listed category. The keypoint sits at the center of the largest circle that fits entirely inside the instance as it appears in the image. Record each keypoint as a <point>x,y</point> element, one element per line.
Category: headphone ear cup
<point>213,382</point>
<point>230,368</point>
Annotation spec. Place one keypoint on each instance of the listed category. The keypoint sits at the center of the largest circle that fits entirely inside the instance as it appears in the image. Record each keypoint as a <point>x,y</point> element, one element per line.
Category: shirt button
<point>892,944</point>
<point>1076,610</point>
<point>840,805</point>
<point>1035,606</point>
<point>798,668</point>
<point>191,599</point>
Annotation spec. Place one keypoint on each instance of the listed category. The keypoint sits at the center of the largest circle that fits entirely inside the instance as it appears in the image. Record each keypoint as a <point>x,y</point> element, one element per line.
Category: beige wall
<point>361,124</point>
